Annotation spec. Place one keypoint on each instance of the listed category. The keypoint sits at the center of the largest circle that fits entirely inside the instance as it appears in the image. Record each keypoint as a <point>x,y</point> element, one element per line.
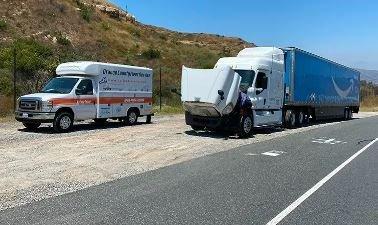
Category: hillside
<point>369,75</point>
<point>55,31</point>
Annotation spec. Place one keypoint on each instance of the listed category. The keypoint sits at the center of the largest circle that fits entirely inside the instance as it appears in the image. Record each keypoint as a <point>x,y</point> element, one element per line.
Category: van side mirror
<point>221,94</point>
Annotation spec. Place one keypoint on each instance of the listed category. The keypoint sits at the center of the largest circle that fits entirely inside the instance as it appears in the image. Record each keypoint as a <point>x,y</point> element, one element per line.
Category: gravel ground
<point>41,164</point>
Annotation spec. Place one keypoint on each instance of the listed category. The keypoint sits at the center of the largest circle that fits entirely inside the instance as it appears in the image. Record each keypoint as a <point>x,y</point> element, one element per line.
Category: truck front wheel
<point>63,122</point>
<point>245,126</point>
<point>31,125</point>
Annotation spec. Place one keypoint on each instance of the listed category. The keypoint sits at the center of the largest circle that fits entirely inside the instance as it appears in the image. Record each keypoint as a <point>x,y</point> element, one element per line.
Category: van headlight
<point>47,104</point>
<point>228,109</point>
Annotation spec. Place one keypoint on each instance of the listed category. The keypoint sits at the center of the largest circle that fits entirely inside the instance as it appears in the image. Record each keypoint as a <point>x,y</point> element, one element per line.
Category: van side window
<point>85,87</point>
<point>261,81</point>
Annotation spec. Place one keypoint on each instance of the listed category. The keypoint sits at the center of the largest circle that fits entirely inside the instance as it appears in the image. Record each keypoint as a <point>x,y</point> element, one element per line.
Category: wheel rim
<point>301,117</point>
<point>292,120</point>
<point>65,122</point>
<point>132,117</point>
<point>247,126</point>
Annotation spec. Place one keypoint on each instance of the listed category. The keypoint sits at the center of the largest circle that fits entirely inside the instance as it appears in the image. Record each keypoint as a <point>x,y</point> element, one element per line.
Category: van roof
<point>90,68</point>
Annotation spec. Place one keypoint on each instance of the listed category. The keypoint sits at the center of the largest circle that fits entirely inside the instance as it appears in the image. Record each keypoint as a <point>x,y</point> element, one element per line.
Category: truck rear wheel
<point>148,119</point>
<point>31,125</point>
<point>63,122</point>
<point>290,119</point>
<point>245,126</point>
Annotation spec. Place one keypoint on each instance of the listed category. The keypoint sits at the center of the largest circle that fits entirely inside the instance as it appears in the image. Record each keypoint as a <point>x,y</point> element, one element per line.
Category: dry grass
<point>6,106</point>
<point>370,104</point>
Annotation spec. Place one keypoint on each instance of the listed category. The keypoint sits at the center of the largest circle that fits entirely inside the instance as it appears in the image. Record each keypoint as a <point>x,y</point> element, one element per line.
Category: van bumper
<point>41,117</point>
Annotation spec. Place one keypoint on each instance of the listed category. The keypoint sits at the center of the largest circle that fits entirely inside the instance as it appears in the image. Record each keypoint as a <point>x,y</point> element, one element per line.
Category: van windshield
<point>247,77</point>
<point>60,85</point>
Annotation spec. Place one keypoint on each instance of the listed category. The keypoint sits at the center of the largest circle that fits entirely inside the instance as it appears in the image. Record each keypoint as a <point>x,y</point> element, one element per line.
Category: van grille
<point>29,105</point>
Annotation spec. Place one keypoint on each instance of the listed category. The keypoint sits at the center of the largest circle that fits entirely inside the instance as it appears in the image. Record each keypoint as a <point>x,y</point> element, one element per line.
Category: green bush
<point>86,12</point>
<point>151,54</point>
<point>62,40</point>
<point>105,26</point>
<point>3,25</point>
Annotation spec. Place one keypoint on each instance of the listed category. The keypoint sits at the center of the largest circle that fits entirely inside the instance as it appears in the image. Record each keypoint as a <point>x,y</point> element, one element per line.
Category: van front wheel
<point>63,122</point>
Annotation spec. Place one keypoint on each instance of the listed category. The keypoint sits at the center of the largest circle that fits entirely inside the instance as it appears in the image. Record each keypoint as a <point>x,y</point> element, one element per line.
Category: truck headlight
<point>228,109</point>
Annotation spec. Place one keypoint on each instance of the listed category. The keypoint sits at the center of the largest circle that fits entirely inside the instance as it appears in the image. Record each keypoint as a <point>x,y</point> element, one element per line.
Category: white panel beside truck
<point>89,91</point>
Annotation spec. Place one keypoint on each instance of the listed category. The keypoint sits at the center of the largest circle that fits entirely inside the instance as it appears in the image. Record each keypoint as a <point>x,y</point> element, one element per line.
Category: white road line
<point>301,199</point>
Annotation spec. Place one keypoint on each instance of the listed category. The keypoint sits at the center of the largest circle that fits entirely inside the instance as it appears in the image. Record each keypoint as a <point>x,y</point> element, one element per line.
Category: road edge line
<point>312,190</point>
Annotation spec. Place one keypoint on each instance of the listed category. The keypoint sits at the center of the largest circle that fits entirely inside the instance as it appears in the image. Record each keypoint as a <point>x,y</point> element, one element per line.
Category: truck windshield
<point>60,85</point>
<point>247,77</point>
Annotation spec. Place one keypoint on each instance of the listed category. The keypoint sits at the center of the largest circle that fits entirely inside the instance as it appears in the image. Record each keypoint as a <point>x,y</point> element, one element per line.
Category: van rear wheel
<point>63,122</point>
<point>132,117</point>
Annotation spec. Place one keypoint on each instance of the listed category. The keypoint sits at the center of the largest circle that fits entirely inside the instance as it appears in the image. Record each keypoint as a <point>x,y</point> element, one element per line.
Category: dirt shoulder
<point>38,165</point>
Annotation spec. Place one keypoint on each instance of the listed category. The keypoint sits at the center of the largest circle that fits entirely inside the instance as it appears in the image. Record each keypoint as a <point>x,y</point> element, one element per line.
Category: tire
<point>131,118</point>
<point>346,114</point>
<point>63,122</point>
<point>290,119</point>
<point>148,119</point>
<point>299,118</point>
<point>31,125</point>
<point>100,122</point>
<point>197,128</point>
<point>350,114</point>
<point>245,126</point>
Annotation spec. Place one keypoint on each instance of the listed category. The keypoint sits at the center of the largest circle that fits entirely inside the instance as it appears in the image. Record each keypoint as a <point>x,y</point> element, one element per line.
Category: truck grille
<point>29,105</point>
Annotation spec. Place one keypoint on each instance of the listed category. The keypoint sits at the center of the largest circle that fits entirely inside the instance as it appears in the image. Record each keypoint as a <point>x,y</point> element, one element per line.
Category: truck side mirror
<point>221,93</point>
<point>259,90</point>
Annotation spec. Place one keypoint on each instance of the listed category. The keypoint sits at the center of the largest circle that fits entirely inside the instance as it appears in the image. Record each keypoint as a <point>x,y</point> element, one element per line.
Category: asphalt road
<point>248,185</point>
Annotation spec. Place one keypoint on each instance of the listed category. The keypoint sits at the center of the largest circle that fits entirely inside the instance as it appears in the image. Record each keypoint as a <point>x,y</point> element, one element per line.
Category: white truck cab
<point>210,96</point>
<point>89,91</point>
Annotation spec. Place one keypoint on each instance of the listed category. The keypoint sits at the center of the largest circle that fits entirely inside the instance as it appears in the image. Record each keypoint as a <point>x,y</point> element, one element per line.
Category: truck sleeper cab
<point>89,91</point>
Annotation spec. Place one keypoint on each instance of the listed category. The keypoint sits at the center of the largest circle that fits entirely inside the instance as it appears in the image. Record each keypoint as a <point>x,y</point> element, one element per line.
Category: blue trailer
<point>322,87</point>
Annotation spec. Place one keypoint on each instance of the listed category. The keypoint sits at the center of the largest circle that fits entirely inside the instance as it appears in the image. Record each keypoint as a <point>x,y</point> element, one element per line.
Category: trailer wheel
<point>350,114</point>
<point>346,114</point>
<point>245,126</point>
<point>299,118</point>
<point>31,125</point>
<point>290,119</point>
<point>63,122</point>
<point>132,117</point>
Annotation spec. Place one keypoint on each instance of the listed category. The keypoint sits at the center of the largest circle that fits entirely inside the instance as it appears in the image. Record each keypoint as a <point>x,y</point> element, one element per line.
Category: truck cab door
<point>85,100</point>
<point>261,91</point>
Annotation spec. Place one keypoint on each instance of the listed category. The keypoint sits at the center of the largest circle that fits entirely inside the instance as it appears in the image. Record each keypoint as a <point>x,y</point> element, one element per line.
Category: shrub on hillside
<point>151,54</point>
<point>63,40</point>
<point>86,11</point>
<point>3,25</point>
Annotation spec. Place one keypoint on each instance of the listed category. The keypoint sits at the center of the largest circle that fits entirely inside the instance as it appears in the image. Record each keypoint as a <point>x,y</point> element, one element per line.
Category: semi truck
<point>287,87</point>
<point>89,91</point>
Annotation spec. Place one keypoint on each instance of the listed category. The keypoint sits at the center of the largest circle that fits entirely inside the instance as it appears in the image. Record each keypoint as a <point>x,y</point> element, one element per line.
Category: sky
<point>345,31</point>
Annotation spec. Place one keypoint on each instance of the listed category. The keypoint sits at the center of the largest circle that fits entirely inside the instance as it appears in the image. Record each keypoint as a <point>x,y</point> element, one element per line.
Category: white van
<point>89,90</point>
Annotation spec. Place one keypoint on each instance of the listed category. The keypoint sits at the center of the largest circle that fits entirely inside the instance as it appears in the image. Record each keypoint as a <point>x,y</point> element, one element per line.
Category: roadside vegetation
<point>369,97</point>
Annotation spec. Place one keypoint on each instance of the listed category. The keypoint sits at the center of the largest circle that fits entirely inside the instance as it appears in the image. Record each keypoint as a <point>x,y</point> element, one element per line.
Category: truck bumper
<point>41,117</point>
<point>202,121</point>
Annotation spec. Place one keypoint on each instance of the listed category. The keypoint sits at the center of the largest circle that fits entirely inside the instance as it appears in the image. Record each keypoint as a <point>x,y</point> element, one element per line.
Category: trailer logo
<point>343,93</point>
<point>103,81</point>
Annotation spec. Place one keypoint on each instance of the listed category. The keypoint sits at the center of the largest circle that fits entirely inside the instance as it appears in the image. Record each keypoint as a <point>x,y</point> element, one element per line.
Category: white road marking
<point>251,154</point>
<point>273,153</point>
<point>331,141</point>
<point>301,199</point>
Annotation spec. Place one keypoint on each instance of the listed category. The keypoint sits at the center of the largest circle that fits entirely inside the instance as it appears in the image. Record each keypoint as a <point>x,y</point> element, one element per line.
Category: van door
<point>86,100</point>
